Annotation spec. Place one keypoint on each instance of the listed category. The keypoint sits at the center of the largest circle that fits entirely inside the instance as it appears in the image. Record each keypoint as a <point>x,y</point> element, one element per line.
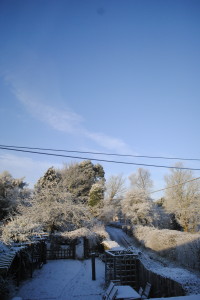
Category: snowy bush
<point>95,234</point>
<point>180,246</point>
<point>100,231</point>
<point>138,208</point>
<point>19,229</point>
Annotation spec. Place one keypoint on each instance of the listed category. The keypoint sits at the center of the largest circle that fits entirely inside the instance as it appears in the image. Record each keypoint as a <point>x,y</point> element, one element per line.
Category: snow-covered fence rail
<point>6,259</point>
<point>18,262</point>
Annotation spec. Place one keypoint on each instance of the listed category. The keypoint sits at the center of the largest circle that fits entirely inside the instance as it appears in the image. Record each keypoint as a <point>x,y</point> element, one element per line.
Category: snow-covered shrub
<point>19,229</point>
<point>108,244</point>
<point>175,245</point>
<point>95,235</point>
<point>100,231</point>
<point>12,192</point>
<point>183,200</point>
<point>188,250</point>
<point>75,234</point>
<point>138,208</point>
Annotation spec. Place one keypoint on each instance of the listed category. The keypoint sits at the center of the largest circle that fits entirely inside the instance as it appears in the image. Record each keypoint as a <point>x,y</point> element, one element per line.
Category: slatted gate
<point>68,253</point>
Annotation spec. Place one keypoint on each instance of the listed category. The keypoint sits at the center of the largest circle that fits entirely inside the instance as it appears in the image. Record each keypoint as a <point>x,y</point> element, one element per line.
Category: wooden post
<point>31,260</point>
<point>19,268</point>
<point>93,267</point>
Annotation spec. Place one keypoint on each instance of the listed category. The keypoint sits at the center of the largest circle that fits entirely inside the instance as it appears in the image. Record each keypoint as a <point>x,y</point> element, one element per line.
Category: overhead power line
<point>172,186</point>
<point>95,159</point>
<point>101,153</point>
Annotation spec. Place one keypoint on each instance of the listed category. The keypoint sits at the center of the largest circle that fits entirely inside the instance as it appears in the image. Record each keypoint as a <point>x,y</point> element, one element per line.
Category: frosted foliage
<point>175,245</point>
<point>96,194</point>
<point>50,179</point>
<point>108,212</point>
<point>138,208</point>
<point>100,231</point>
<point>94,234</point>
<point>78,178</point>
<point>12,193</point>
<point>51,209</point>
<point>56,209</point>
<point>183,200</point>
<point>114,192</point>
<point>115,188</point>
<point>141,180</point>
<point>20,229</point>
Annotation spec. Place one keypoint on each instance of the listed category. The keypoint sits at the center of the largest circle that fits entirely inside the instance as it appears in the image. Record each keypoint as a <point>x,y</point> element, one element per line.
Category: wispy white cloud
<point>107,141</point>
<point>62,120</point>
<point>68,121</point>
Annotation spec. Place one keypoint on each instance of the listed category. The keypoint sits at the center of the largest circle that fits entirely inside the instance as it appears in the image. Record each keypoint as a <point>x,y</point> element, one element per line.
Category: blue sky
<point>104,76</point>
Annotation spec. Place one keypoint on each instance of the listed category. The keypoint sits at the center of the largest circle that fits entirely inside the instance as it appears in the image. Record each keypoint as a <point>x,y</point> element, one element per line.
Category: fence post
<point>93,267</point>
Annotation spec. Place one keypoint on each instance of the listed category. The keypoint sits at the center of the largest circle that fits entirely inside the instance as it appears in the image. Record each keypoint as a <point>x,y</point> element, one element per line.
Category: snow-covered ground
<point>72,279</point>
<point>190,280</point>
<point>65,280</point>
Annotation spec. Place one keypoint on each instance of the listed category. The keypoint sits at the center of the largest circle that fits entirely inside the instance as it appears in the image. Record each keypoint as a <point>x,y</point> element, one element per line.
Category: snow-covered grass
<point>178,246</point>
<point>65,280</point>
<point>159,265</point>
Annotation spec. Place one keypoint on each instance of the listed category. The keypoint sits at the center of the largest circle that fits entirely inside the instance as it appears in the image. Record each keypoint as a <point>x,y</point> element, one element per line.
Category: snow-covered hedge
<point>95,234</point>
<point>98,231</point>
<point>175,245</point>
<point>19,229</point>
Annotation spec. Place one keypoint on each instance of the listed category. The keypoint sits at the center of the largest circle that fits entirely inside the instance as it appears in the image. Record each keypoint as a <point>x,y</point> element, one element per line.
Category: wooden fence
<point>61,253</point>
<point>121,266</point>
<point>161,286</point>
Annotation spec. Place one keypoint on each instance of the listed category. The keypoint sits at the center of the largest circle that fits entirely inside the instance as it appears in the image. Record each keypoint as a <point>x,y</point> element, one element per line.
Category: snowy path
<point>65,280</point>
<point>120,237</point>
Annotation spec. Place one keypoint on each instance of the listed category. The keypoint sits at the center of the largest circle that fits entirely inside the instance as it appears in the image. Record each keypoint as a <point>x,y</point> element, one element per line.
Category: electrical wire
<point>172,186</point>
<point>101,153</point>
<point>96,159</point>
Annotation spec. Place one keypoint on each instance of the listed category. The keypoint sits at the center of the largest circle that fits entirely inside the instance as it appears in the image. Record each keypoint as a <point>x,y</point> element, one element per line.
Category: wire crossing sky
<point>99,153</point>
<point>100,76</point>
<point>96,159</point>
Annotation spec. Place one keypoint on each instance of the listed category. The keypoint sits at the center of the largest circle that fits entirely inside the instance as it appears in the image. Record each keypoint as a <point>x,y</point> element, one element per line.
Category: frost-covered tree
<point>57,201</point>
<point>50,180</point>
<point>141,180</point>
<point>114,191</point>
<point>183,199</point>
<point>95,200</point>
<point>115,188</point>
<point>50,210</point>
<point>96,195</point>
<point>80,177</point>
<point>12,193</point>
<point>138,208</point>
<point>56,206</point>
<point>57,210</point>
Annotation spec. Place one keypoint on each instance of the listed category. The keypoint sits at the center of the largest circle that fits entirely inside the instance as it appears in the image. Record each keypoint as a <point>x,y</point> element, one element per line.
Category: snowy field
<point>65,280</point>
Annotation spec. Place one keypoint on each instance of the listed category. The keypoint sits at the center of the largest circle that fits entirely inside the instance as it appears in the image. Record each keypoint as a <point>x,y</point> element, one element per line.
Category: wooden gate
<point>61,253</point>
